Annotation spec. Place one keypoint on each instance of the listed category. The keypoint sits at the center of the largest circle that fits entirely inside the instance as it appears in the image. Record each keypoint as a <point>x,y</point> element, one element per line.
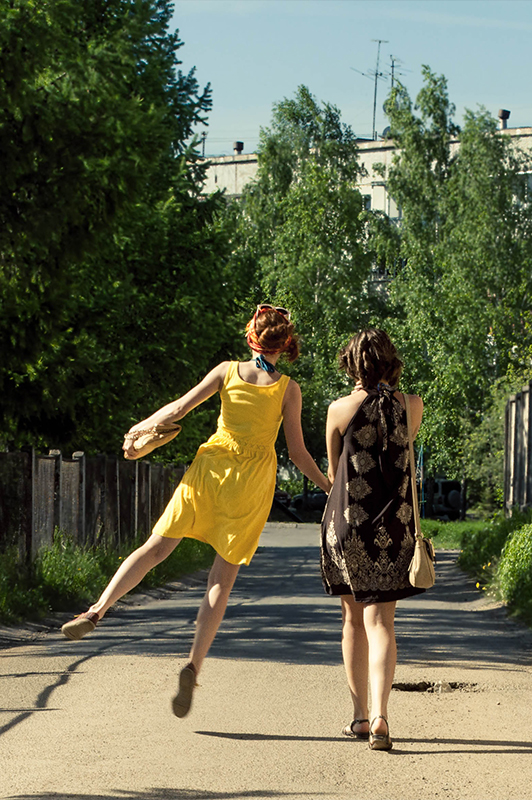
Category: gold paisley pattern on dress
<point>400,435</point>
<point>358,488</point>
<point>355,514</point>
<point>404,513</point>
<point>366,436</point>
<point>363,462</point>
<point>382,538</point>
<point>367,529</point>
<point>403,460</point>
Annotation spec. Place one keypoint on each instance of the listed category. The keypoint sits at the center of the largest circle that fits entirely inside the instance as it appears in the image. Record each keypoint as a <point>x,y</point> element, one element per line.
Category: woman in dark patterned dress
<point>368,524</point>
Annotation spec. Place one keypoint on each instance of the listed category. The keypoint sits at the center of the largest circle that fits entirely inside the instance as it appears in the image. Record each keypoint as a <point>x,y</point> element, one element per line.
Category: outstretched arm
<point>297,451</point>
<point>179,408</point>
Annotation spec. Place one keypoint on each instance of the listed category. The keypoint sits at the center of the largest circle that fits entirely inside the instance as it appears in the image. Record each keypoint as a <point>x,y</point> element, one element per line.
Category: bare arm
<point>179,408</point>
<point>333,439</point>
<point>294,437</point>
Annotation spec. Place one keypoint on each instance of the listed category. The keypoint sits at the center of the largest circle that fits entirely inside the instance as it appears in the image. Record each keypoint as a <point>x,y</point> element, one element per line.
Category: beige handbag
<point>421,572</point>
<point>144,441</point>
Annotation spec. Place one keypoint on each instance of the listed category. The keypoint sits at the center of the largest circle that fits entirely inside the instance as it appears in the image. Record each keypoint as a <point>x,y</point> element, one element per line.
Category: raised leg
<point>355,655</point>
<point>133,569</point>
<point>212,609</point>
<point>379,626</point>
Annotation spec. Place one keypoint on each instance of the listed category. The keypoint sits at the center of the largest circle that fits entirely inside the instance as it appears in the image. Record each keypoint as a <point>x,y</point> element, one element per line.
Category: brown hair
<point>273,333</point>
<point>371,358</point>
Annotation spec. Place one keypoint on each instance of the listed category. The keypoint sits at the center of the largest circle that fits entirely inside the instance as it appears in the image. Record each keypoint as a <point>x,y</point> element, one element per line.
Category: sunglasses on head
<point>267,307</point>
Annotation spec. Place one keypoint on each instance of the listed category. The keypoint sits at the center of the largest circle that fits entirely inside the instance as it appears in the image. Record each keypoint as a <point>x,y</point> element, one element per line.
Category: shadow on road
<point>461,745</point>
<point>166,794</point>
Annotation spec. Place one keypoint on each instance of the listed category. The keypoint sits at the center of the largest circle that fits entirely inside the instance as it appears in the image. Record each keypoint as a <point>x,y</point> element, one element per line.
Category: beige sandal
<point>187,682</point>
<point>78,627</point>
<point>379,741</point>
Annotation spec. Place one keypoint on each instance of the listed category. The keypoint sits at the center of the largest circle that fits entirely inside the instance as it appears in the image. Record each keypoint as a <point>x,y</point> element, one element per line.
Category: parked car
<point>445,499</point>
<point>316,500</point>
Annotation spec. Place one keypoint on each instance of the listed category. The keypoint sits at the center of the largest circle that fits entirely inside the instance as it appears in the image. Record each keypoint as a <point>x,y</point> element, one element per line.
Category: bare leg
<point>355,654</point>
<point>133,569</point>
<point>212,609</point>
<point>379,625</point>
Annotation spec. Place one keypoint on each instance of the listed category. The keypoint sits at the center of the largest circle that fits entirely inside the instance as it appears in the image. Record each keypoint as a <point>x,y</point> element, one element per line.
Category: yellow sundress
<point>225,496</point>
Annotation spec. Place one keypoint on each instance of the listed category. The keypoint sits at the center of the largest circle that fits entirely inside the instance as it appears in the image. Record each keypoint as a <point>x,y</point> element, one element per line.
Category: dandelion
<point>478,585</point>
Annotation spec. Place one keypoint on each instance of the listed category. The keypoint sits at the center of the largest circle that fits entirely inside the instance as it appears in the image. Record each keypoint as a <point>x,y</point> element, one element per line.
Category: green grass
<point>448,535</point>
<point>66,576</point>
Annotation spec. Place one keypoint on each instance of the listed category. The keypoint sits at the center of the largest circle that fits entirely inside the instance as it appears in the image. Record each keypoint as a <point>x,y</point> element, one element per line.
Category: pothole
<point>436,687</point>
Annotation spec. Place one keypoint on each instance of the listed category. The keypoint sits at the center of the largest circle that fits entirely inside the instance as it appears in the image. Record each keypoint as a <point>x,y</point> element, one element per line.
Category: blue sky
<point>256,52</point>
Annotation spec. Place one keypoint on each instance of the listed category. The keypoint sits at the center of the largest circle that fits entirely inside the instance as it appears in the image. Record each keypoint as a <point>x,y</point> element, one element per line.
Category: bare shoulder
<point>218,374</point>
<point>292,392</point>
<point>342,410</point>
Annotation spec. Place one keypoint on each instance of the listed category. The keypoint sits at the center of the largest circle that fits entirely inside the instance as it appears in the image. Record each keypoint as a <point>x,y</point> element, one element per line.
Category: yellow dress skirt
<point>225,496</point>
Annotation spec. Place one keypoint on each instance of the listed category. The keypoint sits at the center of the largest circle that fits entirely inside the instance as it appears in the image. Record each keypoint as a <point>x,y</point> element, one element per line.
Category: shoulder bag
<point>421,573</point>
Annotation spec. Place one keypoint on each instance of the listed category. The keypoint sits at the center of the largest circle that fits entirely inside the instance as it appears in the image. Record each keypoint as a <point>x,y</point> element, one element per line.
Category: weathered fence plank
<point>96,500</point>
<point>518,450</point>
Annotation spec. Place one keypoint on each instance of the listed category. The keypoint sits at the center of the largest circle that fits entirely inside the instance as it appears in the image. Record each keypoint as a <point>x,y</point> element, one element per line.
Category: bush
<point>68,574</point>
<point>514,573</point>
<point>65,576</point>
<point>19,598</point>
<point>483,545</point>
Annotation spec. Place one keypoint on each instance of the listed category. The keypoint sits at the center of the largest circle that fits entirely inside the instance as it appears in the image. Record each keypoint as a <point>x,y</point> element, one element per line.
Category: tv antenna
<point>394,62</point>
<point>374,74</point>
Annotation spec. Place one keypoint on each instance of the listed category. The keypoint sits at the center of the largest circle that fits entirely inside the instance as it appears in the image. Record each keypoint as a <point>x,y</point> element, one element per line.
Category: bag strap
<point>415,505</point>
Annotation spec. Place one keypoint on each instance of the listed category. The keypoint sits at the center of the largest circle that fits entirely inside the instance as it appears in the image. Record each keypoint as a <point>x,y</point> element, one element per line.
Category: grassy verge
<point>66,576</point>
<point>448,535</point>
<point>496,552</point>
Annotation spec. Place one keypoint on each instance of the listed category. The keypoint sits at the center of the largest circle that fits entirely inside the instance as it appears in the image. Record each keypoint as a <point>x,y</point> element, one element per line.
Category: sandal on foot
<point>183,700</point>
<point>380,741</point>
<point>78,627</point>
<point>348,730</point>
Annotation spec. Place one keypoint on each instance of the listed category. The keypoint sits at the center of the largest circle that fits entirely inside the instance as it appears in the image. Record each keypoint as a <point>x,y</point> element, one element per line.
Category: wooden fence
<point>98,500</point>
<point>518,450</point>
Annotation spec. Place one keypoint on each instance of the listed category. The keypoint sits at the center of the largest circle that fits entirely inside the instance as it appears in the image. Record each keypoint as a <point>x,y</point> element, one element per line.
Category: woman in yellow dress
<point>225,496</point>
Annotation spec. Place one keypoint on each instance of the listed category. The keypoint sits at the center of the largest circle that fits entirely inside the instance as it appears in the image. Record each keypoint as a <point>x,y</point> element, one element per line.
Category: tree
<point>460,301</point>
<point>303,225</point>
<point>110,260</point>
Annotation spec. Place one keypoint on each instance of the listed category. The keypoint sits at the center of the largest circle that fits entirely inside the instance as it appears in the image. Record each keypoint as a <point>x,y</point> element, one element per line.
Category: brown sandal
<point>187,682</point>
<point>348,730</point>
<point>379,741</point>
<point>78,627</point>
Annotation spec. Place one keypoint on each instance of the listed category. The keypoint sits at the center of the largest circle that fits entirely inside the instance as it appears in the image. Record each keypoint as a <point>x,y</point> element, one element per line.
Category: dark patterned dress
<point>367,533</point>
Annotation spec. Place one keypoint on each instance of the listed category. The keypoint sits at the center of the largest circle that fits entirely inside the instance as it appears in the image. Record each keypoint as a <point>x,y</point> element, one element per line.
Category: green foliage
<point>482,545</point>
<point>460,299</point>
<point>66,576</point>
<point>303,226</point>
<point>19,597</point>
<point>448,535</point>
<point>514,573</point>
<point>116,291</point>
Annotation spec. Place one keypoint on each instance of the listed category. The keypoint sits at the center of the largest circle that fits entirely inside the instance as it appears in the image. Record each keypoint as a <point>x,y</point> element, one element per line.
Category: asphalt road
<point>91,720</point>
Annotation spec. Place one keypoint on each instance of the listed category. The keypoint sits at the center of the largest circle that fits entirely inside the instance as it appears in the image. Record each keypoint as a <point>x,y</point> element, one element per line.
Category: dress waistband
<point>240,445</point>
